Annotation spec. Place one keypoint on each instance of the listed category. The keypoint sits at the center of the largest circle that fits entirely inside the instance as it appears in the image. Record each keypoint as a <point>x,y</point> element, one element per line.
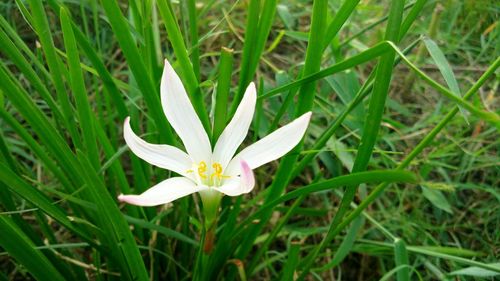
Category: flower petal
<point>273,146</point>
<point>236,131</point>
<point>164,192</point>
<point>182,116</point>
<point>239,185</point>
<point>161,155</point>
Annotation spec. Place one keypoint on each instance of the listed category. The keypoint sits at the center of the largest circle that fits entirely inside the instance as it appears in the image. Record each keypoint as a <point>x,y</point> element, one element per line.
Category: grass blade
<point>401,258</point>
<point>23,250</point>
<point>79,90</point>
<point>222,92</point>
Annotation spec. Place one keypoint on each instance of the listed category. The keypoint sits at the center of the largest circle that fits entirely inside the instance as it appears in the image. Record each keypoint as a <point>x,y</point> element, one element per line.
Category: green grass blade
<point>38,199</point>
<point>411,17</point>
<point>163,230</point>
<point>338,21</point>
<point>371,127</point>
<point>39,122</point>
<point>37,149</point>
<point>193,36</point>
<point>251,33</point>
<point>365,56</point>
<point>117,233</point>
<point>291,262</point>
<point>42,28</point>
<point>305,101</point>
<point>425,142</point>
<point>444,67</point>
<point>148,89</point>
<point>222,92</point>
<point>401,260</point>
<point>265,23</point>
<point>85,115</point>
<point>491,117</point>
<point>13,52</point>
<point>23,250</point>
<point>21,45</point>
<point>337,182</point>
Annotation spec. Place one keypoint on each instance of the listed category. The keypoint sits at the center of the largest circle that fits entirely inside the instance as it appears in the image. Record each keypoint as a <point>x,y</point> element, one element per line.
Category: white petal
<point>273,146</point>
<point>161,155</point>
<point>181,115</point>
<point>236,131</point>
<point>164,192</point>
<point>239,185</point>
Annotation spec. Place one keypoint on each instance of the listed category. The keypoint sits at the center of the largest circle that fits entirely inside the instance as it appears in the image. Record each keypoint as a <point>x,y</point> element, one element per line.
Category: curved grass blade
<point>117,233</point>
<point>23,250</point>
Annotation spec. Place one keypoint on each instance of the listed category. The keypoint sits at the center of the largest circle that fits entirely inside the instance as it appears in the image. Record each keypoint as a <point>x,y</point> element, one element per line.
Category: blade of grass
<point>222,92</point>
<point>411,17</point>
<point>365,56</point>
<point>444,67</point>
<point>41,26</point>
<point>418,149</point>
<point>163,230</point>
<point>439,254</point>
<point>370,130</point>
<point>292,261</point>
<point>38,199</point>
<point>13,52</point>
<point>79,91</point>
<point>111,221</point>
<point>54,142</point>
<point>149,91</point>
<point>193,36</point>
<point>401,260</point>
<point>251,33</point>
<point>16,39</point>
<point>354,178</point>
<point>338,21</point>
<point>257,30</point>
<point>491,117</point>
<point>23,250</point>
<point>37,149</point>
<point>304,104</point>
<point>364,91</point>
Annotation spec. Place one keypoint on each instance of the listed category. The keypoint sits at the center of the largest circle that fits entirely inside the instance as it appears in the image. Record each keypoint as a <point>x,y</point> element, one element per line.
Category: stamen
<point>218,172</point>
<point>202,169</point>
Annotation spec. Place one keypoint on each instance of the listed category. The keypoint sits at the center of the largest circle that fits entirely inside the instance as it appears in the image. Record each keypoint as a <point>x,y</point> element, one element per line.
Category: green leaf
<point>477,271</point>
<point>286,16</point>
<point>161,229</point>
<point>38,199</point>
<point>437,199</point>
<point>19,246</point>
<point>117,233</point>
<point>401,260</point>
<point>445,68</point>
<point>143,78</point>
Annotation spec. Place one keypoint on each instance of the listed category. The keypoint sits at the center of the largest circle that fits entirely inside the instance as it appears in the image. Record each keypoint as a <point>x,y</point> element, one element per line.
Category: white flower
<point>202,169</point>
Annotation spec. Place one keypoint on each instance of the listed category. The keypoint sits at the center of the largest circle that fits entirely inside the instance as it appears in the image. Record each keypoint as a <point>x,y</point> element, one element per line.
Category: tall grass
<point>351,198</point>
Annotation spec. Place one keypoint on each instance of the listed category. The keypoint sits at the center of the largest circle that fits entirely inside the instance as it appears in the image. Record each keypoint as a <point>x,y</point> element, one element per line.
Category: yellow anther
<point>202,169</point>
<point>217,172</point>
<point>189,171</point>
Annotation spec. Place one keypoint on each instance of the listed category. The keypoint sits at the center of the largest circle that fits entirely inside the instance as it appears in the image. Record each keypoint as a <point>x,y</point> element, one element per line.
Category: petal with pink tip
<point>239,185</point>
<point>163,193</point>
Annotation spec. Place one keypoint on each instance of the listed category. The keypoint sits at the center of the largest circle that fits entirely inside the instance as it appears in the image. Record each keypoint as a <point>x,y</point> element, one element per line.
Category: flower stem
<point>209,242</point>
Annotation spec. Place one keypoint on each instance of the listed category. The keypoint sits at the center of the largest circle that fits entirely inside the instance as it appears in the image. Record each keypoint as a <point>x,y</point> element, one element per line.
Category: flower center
<point>215,178</point>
